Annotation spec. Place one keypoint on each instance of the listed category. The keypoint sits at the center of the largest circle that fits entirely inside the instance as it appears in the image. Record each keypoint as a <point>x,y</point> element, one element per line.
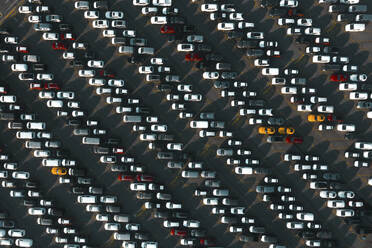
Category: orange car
<point>315,118</point>
<point>59,171</point>
<point>286,130</point>
<point>266,130</point>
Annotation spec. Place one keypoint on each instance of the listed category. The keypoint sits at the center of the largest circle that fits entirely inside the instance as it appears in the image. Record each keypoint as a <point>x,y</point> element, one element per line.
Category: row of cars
<point>107,159</point>
<point>10,234</point>
<point>351,12</point>
<point>81,185</point>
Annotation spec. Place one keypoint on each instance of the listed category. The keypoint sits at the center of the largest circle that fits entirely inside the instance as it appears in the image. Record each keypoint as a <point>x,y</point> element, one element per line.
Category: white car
<point>65,95</point>
<point>304,107</point>
<point>307,22</point>
<point>193,97</point>
<point>358,77</point>
<point>37,211</point>
<point>226,26</point>
<point>313,31</point>
<point>68,55</point>
<point>348,86</point>
<point>8,99</point>
<point>81,5</point>
<point>159,128</point>
<point>158,20</point>
<point>114,15</point>
<point>36,19</point>
<point>175,146</point>
<point>162,3</point>
<point>255,35</point>
<point>358,95</point>
<point>345,212</point>
<point>209,7</point>
<point>25,9</point>
<point>288,3</point>
<point>243,25</point>
<point>236,17</point>
<point>91,14</point>
<point>270,71</point>
<point>24,242</point>
<point>116,83</point>
<point>95,63</point>
<point>101,24</point>
<point>141,2</point>
<point>346,127</point>
<point>326,194</point>
<point>87,73</point>
<point>50,36</point>
<point>322,59</point>
<point>295,225</point>
<point>185,47</point>
<point>211,75</point>
<point>355,27</point>
<point>286,21</point>
<point>17,233</point>
<point>325,109</point>
<point>195,38</point>
<point>146,69</point>
<point>111,100</point>
<point>289,90</point>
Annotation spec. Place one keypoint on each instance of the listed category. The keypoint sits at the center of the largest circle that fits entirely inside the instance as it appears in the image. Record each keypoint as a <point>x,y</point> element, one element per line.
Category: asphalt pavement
<point>330,146</point>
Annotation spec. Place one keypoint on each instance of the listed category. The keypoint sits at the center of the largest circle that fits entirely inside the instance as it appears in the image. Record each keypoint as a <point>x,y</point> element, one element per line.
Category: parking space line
<point>12,12</point>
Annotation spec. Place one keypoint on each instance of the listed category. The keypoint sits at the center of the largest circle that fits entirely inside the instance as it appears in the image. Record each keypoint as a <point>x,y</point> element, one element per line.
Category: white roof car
<point>243,170</point>
<point>226,26</point>
<point>55,103</point>
<point>37,211</point>
<point>305,216</point>
<point>285,21</point>
<point>348,86</point>
<point>91,14</point>
<point>305,22</point>
<point>255,35</point>
<point>87,73</point>
<point>325,109</point>
<point>19,67</point>
<point>336,204</point>
<point>346,127</point>
<point>66,95</point>
<point>210,201</point>
<point>270,71</point>
<point>44,76</point>
<point>358,77</point>
<point>116,83</point>
<point>321,59</point>
<point>25,9</point>
<point>193,97</point>
<point>158,20</point>
<point>313,31</point>
<point>209,7</point>
<point>159,128</point>
<point>81,5</point>
<point>345,212</point>
<point>162,3</point>
<point>114,15</point>
<point>108,33</point>
<point>185,47</point>
<point>138,186</point>
<point>68,55</point>
<point>355,27</point>
<point>295,225</point>
<point>146,69</point>
<point>211,75</point>
<point>141,2</point>
<point>288,3</point>
<point>50,36</point>
<point>24,242</point>
<point>304,107</point>
<point>37,19</point>
<point>346,194</point>
<point>101,24</point>
<point>8,99</point>
<point>358,95</point>
<point>289,90</point>
<point>95,63</point>
<point>326,194</point>
<point>17,233</point>
<point>243,25</point>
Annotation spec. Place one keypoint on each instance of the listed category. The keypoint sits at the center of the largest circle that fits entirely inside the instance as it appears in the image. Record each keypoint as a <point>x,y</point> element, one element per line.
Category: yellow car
<point>315,118</point>
<point>59,171</point>
<point>286,130</point>
<point>266,130</point>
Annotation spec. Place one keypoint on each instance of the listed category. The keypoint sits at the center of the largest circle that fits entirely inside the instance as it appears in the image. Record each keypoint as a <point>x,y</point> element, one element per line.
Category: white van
<point>121,236</point>
<point>87,199</point>
<point>91,141</point>
<point>51,162</point>
<point>36,125</point>
<point>19,67</point>
<point>25,135</point>
<point>132,118</point>
<point>199,124</point>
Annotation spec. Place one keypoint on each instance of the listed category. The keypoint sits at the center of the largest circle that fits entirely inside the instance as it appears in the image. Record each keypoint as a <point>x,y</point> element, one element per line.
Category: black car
<point>175,20</point>
<point>204,48</point>
<point>89,55</point>
<point>234,35</point>
<point>7,223</point>
<point>269,3</point>
<point>275,121</point>
<point>367,87</point>
<point>79,190</point>
<point>213,57</point>
<point>112,142</point>
<point>307,235</point>
<point>218,16</point>
<point>305,39</point>
<point>30,203</point>
<point>76,63</point>
<point>338,8</point>
<point>165,155</point>
<point>275,139</point>
<point>229,75</point>
<point>331,67</point>
<point>142,110</point>
<point>255,52</point>
<point>100,150</point>
<point>174,37</point>
<point>204,66</point>
<point>141,236</point>
<point>76,172</point>
<point>164,87</point>
<point>256,103</point>
<point>345,17</point>
<point>247,44</point>
<point>101,5</point>
<point>134,60</point>
<point>26,76</point>
<point>168,137</point>
<point>188,28</point>
<point>277,12</point>
<point>64,27</point>
<point>332,50</point>
<point>161,214</point>
<point>73,123</point>
<point>260,170</point>
<point>180,215</point>
<point>248,238</point>
<point>221,84</point>
<point>39,67</point>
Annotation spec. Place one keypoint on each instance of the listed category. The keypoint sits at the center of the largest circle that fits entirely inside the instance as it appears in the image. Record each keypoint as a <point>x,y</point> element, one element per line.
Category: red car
<point>22,49</point>
<point>67,36</point>
<point>36,86</point>
<point>193,57</point>
<point>104,73</point>
<point>51,86</point>
<point>294,140</point>
<point>333,118</point>
<point>123,177</point>
<point>294,12</point>
<point>338,77</point>
<point>176,232</point>
<point>166,29</point>
<point>58,46</point>
<point>144,178</point>
<point>118,150</point>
